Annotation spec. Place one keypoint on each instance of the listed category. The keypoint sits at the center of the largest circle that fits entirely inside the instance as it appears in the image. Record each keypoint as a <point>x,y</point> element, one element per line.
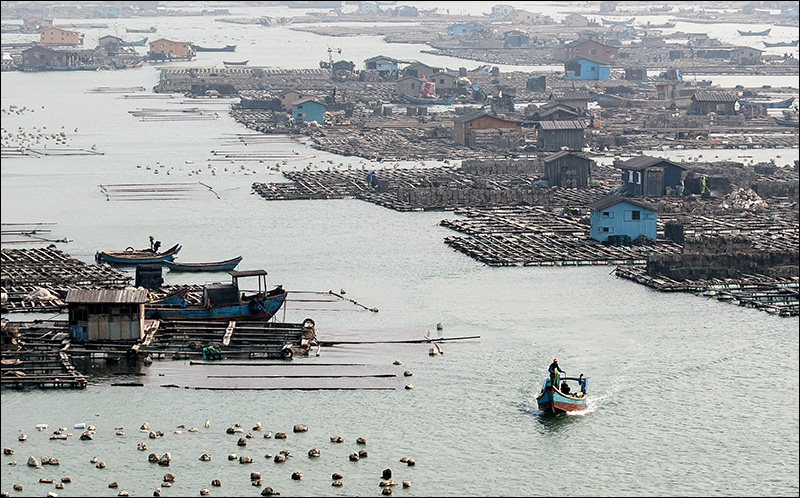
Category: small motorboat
<point>561,398</point>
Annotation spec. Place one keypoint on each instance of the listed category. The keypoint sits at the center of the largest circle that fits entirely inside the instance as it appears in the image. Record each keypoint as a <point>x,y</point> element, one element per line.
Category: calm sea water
<point>688,396</point>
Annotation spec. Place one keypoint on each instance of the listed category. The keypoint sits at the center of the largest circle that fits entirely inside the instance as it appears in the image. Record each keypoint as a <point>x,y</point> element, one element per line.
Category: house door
<point>654,182</point>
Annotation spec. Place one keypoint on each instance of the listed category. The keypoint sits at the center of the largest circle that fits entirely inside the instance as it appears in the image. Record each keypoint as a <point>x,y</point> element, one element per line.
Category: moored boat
<point>560,399</point>
<point>222,301</point>
<point>131,256</point>
<point>240,63</point>
<point>74,67</point>
<point>151,29</point>
<point>227,265</point>
<point>787,122</point>
<point>782,44</point>
<point>423,101</point>
<point>611,21</point>
<point>754,33</point>
<point>226,48</point>
<point>783,104</point>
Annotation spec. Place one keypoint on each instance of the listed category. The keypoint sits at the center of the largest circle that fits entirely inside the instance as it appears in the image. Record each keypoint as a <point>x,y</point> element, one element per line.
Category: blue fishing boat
<point>561,399</point>
<point>227,265</point>
<point>139,43</point>
<point>783,104</point>
<point>131,256</point>
<point>222,301</point>
<point>786,122</point>
<point>423,101</point>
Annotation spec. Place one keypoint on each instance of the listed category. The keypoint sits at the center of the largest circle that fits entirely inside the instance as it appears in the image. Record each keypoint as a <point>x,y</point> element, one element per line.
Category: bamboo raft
<point>775,296</point>
<point>40,362</point>
<point>155,191</point>
<point>52,267</point>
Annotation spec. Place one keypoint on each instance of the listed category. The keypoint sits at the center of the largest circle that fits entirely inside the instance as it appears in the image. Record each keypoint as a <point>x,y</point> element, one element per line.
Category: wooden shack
<point>553,111</point>
<point>465,126</point>
<point>568,169</point>
<point>410,85</point>
<point>588,49</point>
<point>167,49</point>
<point>38,57</point>
<point>721,103</point>
<point>420,70</point>
<point>554,136</point>
<point>106,314</point>
<point>110,44</point>
<point>646,176</point>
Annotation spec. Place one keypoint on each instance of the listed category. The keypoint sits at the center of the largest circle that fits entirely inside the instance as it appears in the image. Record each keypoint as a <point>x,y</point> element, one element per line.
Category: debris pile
<point>744,199</point>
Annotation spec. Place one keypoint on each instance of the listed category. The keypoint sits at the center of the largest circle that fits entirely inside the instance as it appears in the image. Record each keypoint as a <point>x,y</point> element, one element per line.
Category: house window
<point>638,177</point>
<point>591,68</point>
<point>636,215</point>
<point>593,52</point>
<point>608,214</point>
<point>607,229</point>
<point>630,176</point>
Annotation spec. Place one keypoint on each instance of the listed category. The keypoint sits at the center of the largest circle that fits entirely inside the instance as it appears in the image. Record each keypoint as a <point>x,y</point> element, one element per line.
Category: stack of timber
<point>33,356</point>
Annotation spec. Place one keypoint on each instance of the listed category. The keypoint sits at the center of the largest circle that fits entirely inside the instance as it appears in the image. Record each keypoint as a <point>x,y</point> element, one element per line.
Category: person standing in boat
<point>554,370</point>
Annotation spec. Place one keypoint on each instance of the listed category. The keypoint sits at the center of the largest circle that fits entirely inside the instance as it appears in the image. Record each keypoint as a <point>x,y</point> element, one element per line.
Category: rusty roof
<point>128,295</point>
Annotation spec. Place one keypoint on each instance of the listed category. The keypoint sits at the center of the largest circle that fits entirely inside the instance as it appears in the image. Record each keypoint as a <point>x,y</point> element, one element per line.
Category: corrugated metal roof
<point>615,199</point>
<point>563,153</point>
<point>571,95</point>
<point>132,296</point>
<point>714,97</point>
<point>642,162</point>
<point>563,125</point>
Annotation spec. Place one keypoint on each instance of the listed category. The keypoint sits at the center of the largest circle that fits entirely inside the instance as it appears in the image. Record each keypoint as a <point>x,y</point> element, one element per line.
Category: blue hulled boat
<point>559,400</point>
<point>131,256</point>
<point>783,104</point>
<point>222,302</point>
<point>787,122</point>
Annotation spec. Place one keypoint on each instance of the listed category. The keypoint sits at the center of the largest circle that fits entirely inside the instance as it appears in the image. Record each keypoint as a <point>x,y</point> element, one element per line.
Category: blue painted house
<point>586,69</point>
<point>646,176</point>
<point>462,28</point>
<point>305,111</point>
<point>616,216</point>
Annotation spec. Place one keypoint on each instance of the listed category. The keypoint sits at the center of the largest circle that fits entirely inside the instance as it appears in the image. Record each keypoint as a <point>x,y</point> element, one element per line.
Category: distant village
<point>527,142</point>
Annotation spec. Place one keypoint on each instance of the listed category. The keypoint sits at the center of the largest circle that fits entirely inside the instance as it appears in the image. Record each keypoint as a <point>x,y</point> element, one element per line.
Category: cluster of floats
<point>219,301</point>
